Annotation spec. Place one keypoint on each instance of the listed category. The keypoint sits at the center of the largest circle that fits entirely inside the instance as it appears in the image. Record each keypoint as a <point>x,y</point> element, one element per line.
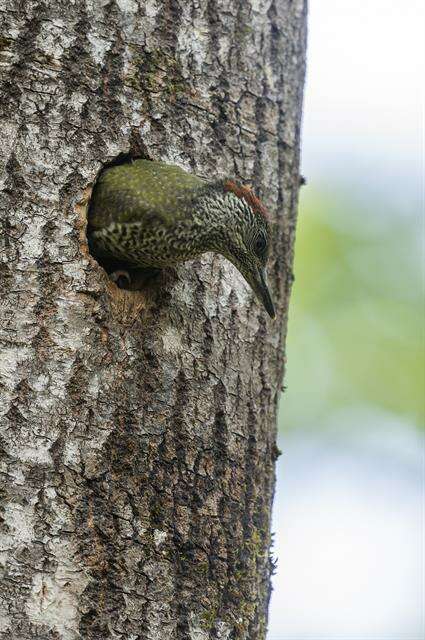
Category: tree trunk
<point>138,429</point>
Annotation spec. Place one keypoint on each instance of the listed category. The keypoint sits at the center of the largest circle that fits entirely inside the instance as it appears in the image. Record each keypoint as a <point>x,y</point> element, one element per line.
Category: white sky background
<point>364,100</point>
<point>347,520</point>
<point>349,535</point>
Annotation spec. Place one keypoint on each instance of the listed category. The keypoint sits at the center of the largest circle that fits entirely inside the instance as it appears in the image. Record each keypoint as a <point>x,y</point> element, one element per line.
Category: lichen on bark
<point>137,432</point>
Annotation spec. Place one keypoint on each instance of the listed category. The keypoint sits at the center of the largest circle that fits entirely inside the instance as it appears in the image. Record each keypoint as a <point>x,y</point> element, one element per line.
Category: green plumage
<point>143,192</point>
<point>150,214</point>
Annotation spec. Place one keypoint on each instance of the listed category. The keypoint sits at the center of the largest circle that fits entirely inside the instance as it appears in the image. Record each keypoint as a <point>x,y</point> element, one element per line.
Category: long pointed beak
<point>259,284</point>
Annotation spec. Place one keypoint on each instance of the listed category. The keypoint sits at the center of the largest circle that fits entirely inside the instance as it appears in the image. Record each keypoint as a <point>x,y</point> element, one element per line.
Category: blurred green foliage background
<point>356,321</point>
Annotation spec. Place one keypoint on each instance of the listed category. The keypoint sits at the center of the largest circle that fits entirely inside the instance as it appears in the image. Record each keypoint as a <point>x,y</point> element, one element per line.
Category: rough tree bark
<point>138,429</point>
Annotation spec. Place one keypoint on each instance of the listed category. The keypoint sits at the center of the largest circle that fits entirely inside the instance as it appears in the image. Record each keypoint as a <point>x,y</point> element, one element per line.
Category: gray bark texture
<point>137,442</point>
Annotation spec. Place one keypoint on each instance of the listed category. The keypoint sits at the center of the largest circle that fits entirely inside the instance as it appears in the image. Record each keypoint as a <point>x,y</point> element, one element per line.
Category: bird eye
<point>260,245</point>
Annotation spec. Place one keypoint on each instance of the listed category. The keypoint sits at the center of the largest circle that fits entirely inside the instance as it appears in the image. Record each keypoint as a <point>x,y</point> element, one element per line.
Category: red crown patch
<point>247,194</point>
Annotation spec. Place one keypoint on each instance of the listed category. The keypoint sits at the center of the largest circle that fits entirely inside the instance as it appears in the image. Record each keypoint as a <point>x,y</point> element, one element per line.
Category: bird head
<point>242,235</point>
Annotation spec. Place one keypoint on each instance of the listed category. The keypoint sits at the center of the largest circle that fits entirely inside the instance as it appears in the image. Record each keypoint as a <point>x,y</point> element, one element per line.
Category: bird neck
<point>214,221</point>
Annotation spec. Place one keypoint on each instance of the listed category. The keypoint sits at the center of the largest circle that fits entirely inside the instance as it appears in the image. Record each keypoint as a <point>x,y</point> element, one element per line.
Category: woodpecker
<point>154,215</point>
